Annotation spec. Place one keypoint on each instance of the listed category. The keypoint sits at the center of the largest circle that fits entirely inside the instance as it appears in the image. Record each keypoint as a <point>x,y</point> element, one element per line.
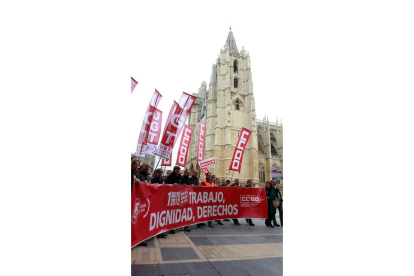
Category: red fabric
<point>143,136</point>
<point>236,161</point>
<point>154,132</point>
<point>158,208</point>
<point>174,124</point>
<point>166,162</point>
<point>184,145</point>
<point>201,141</point>
<point>133,84</point>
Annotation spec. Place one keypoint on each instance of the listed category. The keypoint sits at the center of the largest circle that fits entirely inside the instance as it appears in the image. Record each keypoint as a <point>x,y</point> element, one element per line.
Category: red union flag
<point>166,162</point>
<point>159,208</point>
<point>174,125</point>
<point>235,164</point>
<point>154,132</point>
<point>142,146</point>
<point>204,169</point>
<point>208,162</point>
<point>133,84</point>
<point>183,149</point>
<point>201,141</point>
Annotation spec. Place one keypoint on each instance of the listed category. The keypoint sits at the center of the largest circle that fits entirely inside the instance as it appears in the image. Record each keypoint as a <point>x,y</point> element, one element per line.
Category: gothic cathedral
<point>227,106</point>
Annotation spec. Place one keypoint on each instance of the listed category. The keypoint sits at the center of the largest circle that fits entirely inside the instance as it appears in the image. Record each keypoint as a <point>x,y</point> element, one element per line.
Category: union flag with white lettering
<point>184,145</point>
<point>236,162</point>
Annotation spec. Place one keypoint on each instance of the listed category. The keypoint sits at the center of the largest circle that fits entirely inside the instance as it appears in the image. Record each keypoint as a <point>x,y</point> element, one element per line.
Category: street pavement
<point>225,250</point>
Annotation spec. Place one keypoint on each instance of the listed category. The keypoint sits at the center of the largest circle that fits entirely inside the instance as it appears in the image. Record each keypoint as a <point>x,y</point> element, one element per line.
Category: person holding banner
<point>223,182</point>
<point>271,210</point>
<point>167,175</point>
<point>158,177</point>
<point>249,185</point>
<point>185,180</point>
<point>194,179</point>
<point>217,184</point>
<point>208,182</point>
<point>143,173</point>
<point>174,177</point>
<point>134,171</point>
<point>236,184</point>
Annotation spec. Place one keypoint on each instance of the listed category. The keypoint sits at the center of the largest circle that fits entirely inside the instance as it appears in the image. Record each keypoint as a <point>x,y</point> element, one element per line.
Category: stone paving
<point>225,250</point>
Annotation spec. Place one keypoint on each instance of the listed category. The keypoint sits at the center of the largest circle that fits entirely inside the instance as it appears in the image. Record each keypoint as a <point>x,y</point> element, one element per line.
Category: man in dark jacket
<point>280,207</point>
<point>249,185</point>
<point>185,180</point>
<point>143,173</point>
<point>194,179</point>
<point>174,177</point>
<point>158,177</point>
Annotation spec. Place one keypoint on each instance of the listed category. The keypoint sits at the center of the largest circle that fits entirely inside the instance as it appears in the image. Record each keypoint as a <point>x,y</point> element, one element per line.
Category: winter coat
<point>194,181</point>
<point>185,180</point>
<point>144,176</point>
<point>173,178</point>
<point>270,193</point>
<point>155,180</point>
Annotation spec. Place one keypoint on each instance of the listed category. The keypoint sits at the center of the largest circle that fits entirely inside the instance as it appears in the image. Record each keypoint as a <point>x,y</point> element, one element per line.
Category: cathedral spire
<point>231,43</point>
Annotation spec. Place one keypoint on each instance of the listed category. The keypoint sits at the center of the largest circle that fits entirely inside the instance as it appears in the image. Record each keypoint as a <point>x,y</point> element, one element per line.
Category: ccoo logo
<point>249,198</point>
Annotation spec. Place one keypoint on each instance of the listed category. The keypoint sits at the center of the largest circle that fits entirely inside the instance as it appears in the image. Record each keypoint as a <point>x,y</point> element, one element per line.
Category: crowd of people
<point>141,174</point>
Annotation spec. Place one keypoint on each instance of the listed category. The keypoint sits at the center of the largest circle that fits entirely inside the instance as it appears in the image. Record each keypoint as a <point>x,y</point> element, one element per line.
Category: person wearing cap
<point>174,177</point>
<point>158,177</point>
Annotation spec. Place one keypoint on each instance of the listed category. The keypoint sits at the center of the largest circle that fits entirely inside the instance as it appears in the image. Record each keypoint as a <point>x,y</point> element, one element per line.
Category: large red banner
<point>236,162</point>
<point>142,146</point>
<point>174,125</point>
<point>157,208</point>
<point>201,140</point>
<point>183,149</point>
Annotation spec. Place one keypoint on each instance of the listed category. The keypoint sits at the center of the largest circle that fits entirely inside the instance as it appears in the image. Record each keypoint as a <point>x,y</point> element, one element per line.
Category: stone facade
<point>227,106</point>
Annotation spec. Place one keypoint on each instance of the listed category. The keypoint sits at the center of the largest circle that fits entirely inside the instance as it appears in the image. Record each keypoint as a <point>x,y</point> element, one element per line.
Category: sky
<point>176,54</point>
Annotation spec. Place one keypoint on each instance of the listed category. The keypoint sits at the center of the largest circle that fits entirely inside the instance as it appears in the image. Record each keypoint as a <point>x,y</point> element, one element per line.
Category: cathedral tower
<point>226,107</point>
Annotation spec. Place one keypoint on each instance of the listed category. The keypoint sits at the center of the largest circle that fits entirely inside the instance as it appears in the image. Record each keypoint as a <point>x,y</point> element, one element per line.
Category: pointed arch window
<point>262,174</point>
<point>260,143</point>
<point>272,137</point>
<point>274,152</point>
<point>235,67</point>
<point>236,82</point>
<point>237,105</point>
